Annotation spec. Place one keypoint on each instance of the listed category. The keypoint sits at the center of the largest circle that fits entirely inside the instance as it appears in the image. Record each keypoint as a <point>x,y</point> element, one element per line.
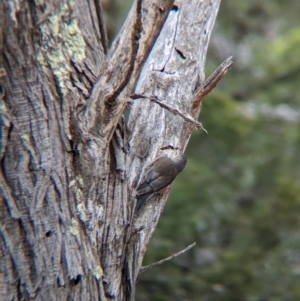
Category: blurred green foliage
<point>239,196</point>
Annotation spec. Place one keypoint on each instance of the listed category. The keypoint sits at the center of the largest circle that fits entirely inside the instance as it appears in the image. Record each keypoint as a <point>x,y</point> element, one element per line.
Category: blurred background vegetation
<point>239,196</point>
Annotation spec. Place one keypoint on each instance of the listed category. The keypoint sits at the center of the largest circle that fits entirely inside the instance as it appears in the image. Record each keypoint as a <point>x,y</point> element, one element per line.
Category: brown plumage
<point>159,175</point>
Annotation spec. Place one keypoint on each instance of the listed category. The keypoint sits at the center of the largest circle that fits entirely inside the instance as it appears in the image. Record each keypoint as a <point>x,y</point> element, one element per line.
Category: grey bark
<point>70,163</point>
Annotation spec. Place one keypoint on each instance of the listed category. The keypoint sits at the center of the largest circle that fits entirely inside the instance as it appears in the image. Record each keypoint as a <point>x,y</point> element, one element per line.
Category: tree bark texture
<point>70,162</point>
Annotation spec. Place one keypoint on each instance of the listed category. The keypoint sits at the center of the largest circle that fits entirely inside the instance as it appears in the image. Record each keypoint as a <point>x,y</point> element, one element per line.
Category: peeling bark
<point>70,162</point>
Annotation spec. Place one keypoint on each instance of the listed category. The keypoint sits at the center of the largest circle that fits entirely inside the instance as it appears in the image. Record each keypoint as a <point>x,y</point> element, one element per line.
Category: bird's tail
<point>141,199</point>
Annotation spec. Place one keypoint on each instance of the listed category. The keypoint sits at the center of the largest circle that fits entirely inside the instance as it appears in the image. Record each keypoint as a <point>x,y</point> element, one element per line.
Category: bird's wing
<point>157,177</point>
<point>144,188</point>
<point>154,172</point>
<point>161,182</point>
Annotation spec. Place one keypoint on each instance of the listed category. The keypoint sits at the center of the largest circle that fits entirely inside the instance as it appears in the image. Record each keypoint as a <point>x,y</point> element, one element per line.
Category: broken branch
<point>211,82</point>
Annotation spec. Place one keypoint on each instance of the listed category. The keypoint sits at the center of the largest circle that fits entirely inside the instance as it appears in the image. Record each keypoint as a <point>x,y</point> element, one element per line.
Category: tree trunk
<point>70,162</point>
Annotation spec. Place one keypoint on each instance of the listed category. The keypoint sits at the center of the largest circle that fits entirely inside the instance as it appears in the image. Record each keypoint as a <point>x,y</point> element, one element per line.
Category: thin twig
<point>211,81</point>
<point>171,109</point>
<point>151,266</point>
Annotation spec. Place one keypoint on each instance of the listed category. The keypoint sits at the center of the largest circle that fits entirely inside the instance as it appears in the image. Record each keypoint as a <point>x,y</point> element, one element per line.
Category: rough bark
<point>70,163</point>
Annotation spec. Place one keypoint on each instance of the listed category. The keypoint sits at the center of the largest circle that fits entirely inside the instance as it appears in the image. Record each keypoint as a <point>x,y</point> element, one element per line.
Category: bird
<point>161,173</point>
